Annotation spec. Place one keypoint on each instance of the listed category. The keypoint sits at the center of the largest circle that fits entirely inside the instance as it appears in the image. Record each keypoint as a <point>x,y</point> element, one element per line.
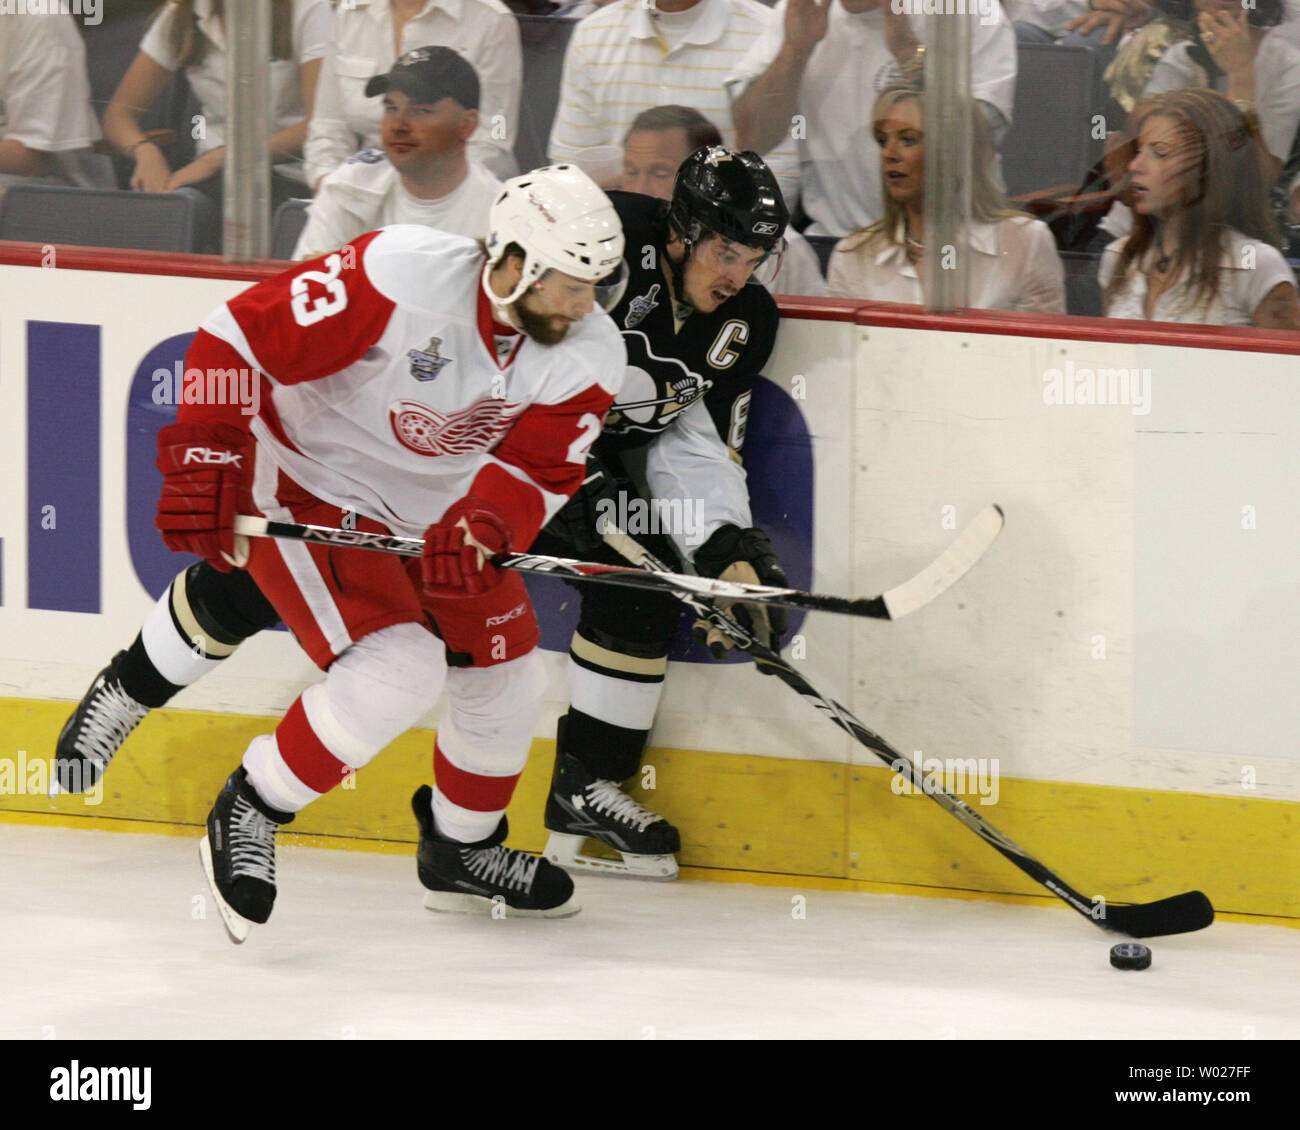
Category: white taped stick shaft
<point>249,526</point>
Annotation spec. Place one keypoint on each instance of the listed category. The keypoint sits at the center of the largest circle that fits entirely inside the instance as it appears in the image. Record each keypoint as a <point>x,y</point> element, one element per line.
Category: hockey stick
<point>907,597</point>
<point>1175,915</point>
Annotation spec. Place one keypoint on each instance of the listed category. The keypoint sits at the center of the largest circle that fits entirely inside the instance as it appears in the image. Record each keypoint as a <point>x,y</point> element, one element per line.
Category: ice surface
<point>101,940</point>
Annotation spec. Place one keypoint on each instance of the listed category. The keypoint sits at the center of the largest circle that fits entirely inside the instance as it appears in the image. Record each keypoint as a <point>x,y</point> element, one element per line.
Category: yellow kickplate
<point>753,819</point>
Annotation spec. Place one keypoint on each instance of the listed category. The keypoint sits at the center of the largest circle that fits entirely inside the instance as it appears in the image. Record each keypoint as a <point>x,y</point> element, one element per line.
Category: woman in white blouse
<point>1013,263</point>
<point>1204,245</point>
<point>370,35</point>
<point>190,35</point>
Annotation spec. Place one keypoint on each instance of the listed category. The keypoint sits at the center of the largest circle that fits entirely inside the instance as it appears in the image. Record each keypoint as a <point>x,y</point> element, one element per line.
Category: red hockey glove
<point>206,471</point>
<point>458,548</point>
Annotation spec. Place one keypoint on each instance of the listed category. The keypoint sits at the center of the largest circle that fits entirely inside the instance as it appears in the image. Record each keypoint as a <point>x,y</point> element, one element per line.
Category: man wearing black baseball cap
<point>422,175</point>
<point>429,74</point>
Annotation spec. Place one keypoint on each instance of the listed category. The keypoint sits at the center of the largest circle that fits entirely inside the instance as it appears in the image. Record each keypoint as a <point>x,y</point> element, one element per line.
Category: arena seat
<point>145,221</point>
<point>1050,141</point>
<point>544,39</point>
<point>286,226</point>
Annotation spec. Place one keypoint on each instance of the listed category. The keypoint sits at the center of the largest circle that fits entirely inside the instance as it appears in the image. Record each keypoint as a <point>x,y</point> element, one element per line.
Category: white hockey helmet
<point>564,222</point>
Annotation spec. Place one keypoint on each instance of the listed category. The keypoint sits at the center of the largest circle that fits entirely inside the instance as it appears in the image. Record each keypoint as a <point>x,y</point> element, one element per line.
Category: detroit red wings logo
<point>427,431</point>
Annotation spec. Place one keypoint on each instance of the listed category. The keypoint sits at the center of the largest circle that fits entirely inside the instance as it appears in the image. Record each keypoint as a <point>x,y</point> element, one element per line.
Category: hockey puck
<point>1130,955</point>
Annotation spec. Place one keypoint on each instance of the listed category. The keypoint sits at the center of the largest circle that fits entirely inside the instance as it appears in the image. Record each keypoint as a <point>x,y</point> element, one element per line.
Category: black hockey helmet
<point>732,194</point>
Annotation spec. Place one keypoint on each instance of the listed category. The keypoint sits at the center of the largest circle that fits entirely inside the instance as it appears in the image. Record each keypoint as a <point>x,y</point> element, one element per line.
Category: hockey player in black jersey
<point>697,335</point>
<point>698,330</point>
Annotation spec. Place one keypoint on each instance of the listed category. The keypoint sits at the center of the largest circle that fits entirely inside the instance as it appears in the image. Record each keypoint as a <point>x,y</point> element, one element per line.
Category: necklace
<point>1164,258</point>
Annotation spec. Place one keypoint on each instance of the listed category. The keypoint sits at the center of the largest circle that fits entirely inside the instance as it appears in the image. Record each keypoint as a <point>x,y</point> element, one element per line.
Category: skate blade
<point>452,902</point>
<point>236,926</point>
<point>565,851</point>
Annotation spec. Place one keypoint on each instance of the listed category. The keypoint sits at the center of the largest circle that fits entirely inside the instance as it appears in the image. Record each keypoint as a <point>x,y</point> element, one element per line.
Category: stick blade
<point>949,567</point>
<point>1177,915</point>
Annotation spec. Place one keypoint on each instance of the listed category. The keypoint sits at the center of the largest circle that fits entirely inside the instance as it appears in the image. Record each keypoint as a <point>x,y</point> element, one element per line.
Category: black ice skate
<point>479,877</point>
<point>583,807</point>
<point>239,854</point>
<point>101,723</point>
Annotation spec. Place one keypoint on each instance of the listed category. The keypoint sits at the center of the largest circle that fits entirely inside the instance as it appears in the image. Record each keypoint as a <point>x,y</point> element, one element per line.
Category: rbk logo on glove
<point>209,456</point>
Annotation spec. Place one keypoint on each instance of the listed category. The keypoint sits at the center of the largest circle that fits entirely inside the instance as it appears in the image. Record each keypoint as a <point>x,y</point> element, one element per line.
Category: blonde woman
<point>1204,244</point>
<point>1013,260</point>
<point>190,35</point>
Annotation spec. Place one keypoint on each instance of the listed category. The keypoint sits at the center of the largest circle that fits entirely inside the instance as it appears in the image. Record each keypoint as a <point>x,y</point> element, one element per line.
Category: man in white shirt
<point>815,73</point>
<point>632,55</point>
<point>365,43</point>
<point>47,127</point>
<point>422,175</point>
<point>660,140</point>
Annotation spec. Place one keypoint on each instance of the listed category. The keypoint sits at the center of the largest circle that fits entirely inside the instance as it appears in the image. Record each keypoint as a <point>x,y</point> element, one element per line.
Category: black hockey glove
<point>733,554</point>
<point>575,521</point>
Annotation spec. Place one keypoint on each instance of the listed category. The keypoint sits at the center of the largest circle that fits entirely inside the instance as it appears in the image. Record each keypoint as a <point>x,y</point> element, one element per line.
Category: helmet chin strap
<point>677,270</point>
<point>503,309</point>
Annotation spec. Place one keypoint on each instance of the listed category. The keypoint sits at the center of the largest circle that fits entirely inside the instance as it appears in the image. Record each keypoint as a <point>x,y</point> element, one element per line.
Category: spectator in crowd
<point>47,126</point>
<point>815,70</point>
<point>1236,52</point>
<point>367,39</point>
<point>659,141</point>
<point>1140,49</point>
<point>1098,26</point>
<point>190,35</point>
<point>631,56</point>
<point>1013,261</point>
<point>1240,54</point>
<point>422,175</point>
<point>1204,245</point>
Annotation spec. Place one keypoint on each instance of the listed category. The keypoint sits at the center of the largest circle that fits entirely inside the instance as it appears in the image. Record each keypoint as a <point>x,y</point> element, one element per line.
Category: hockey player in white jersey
<point>619,651</point>
<point>411,384</point>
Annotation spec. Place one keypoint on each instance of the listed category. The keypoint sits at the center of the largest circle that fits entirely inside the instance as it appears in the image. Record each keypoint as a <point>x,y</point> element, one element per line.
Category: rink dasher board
<point>913,429</point>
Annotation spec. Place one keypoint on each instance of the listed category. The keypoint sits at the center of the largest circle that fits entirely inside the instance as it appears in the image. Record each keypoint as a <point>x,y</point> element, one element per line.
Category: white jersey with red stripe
<point>388,390</point>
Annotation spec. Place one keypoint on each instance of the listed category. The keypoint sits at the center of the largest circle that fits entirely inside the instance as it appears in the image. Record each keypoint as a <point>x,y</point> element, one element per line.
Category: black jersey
<point>674,361</point>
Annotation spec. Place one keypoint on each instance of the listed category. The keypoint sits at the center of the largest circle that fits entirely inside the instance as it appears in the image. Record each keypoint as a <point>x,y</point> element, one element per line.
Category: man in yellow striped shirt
<point>630,55</point>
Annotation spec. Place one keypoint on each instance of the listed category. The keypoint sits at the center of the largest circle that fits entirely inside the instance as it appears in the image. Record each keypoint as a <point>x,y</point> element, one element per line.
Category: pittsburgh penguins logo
<point>654,390</point>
